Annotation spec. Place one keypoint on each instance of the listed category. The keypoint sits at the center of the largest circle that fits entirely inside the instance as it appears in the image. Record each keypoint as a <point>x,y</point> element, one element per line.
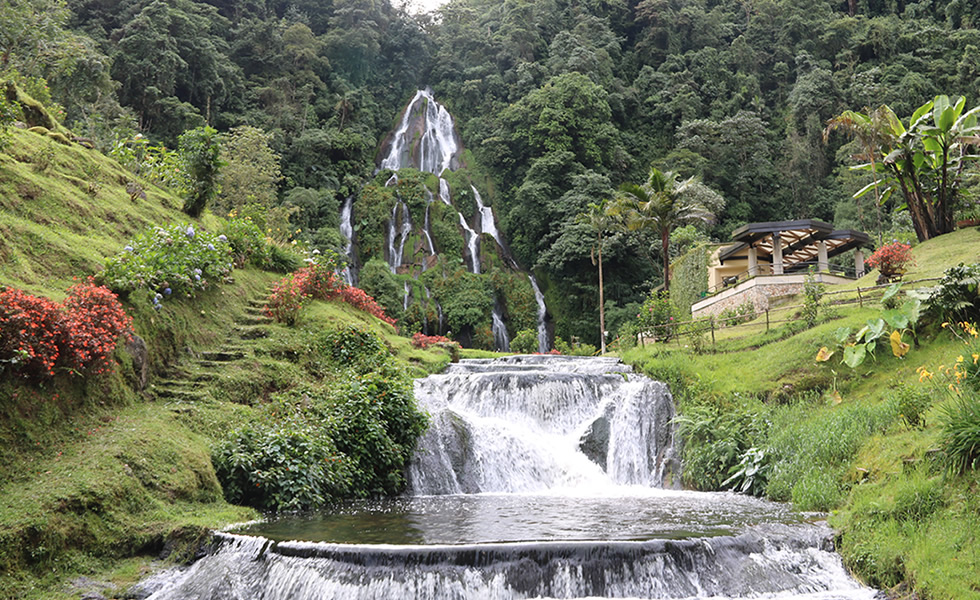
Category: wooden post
<point>767,318</point>
<point>712,331</point>
<point>860,300</point>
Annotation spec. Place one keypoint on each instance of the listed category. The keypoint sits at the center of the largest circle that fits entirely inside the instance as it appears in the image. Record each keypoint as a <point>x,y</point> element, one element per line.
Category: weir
<point>540,477</point>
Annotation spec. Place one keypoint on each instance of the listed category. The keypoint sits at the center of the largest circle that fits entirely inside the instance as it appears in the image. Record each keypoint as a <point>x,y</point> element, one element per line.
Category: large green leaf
<point>854,355</point>
<point>896,319</point>
<point>842,334</point>
<point>919,113</point>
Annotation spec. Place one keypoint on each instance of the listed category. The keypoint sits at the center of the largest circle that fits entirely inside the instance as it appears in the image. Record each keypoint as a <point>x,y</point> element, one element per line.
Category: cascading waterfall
<point>543,345</point>
<point>538,478</point>
<point>347,230</point>
<point>437,146</point>
<point>473,243</point>
<point>501,341</point>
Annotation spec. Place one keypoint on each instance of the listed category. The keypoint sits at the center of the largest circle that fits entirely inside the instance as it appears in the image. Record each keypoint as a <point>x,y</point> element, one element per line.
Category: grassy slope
<point>904,523</point>
<point>97,478</point>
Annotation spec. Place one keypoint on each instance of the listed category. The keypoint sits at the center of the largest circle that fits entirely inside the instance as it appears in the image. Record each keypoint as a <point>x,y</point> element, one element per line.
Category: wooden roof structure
<point>798,239</point>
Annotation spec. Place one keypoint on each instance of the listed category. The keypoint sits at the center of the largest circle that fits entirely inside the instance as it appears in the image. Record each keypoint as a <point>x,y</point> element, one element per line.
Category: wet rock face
<point>595,441</point>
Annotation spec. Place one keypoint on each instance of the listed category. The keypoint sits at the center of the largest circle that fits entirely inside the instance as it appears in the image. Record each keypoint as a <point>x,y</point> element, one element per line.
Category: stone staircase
<point>196,373</point>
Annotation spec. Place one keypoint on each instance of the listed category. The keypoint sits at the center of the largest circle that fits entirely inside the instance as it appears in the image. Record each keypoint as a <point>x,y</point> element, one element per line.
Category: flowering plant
<point>892,260</point>
<point>38,335</point>
<point>422,341</point>
<point>169,260</point>
<point>658,316</point>
<point>318,281</point>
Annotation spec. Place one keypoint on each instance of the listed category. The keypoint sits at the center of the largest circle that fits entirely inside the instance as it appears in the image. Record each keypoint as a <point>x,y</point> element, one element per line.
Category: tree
<point>661,204</point>
<point>200,151</point>
<point>250,174</point>
<point>923,161</point>
<point>599,220</point>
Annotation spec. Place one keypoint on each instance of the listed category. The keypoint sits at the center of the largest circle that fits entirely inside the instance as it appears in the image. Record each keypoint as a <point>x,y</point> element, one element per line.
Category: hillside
<point>865,443</point>
<point>100,474</point>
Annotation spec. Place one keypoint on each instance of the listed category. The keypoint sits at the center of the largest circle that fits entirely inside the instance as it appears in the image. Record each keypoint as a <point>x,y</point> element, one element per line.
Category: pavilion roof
<point>798,238</point>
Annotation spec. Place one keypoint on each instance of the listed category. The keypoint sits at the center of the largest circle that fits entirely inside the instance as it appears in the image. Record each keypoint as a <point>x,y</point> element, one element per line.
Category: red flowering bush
<point>287,299</point>
<point>319,282</point>
<point>422,341</point>
<point>93,321</point>
<point>38,335</point>
<point>892,260</point>
<point>31,333</point>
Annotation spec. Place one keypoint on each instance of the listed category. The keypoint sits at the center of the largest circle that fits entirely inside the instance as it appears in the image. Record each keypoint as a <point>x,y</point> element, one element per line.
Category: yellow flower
<point>959,358</point>
<point>924,375</point>
<point>946,324</point>
<point>976,357</point>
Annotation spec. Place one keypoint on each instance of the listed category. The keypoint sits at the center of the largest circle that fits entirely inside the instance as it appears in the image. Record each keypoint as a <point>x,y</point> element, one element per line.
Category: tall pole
<point>602,312</point>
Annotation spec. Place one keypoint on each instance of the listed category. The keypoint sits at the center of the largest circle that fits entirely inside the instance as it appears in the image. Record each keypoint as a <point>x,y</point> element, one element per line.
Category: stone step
<point>252,320</point>
<point>224,355</point>
<point>254,332</point>
<point>168,393</point>
<point>257,303</point>
<point>255,311</point>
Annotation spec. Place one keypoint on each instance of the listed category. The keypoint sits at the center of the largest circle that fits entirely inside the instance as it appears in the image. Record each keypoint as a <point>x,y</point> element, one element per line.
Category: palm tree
<point>598,219</point>
<point>662,204</point>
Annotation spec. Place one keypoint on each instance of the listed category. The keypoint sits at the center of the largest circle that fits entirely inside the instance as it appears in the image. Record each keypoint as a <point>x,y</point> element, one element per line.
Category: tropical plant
<point>923,160</point>
<point>598,219</point>
<point>957,297</point>
<point>525,342</point>
<point>200,153</point>
<point>662,204</point>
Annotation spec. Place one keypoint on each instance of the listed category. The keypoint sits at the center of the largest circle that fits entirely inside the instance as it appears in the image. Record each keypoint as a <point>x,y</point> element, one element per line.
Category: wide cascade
<point>540,477</point>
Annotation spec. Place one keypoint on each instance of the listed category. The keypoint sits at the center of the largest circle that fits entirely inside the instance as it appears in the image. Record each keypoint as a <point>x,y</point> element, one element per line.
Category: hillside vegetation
<point>869,444</point>
<point>102,473</point>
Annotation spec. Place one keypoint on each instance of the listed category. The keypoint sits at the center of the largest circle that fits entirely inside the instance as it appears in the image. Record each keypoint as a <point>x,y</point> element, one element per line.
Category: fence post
<point>712,321</point>
<point>860,300</point>
<point>767,319</point>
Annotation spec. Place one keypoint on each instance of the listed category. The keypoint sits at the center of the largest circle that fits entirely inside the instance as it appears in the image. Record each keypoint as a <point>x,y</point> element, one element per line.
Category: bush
<point>200,155</point>
<point>525,342</point>
<point>422,341</point>
<point>169,260</point>
<point>353,346</point>
<point>812,293</point>
<point>891,260</point>
<point>957,297</point>
<point>960,436</point>
<point>912,406</point>
<point>248,244</point>
<point>286,300</point>
<point>38,335</point>
<point>281,467</point>
<point>658,316</point>
<point>736,315</point>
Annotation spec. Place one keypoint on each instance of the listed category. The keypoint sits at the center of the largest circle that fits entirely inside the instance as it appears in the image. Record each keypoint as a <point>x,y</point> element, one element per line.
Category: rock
<point>136,348</point>
<point>595,441</point>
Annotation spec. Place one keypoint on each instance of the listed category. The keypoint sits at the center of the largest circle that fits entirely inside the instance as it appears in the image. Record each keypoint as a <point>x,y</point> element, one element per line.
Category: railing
<point>794,269</point>
<point>700,327</point>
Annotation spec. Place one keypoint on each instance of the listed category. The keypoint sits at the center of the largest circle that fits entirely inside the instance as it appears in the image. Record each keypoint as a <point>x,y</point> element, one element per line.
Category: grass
<point>834,438</point>
<point>97,478</point>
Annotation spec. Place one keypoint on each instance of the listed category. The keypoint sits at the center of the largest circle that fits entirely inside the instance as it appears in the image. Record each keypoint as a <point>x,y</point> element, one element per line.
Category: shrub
<point>960,436</point>
<point>286,300</point>
<point>199,152</point>
<point>248,244</point>
<point>892,260</point>
<point>281,467</point>
<point>354,346</point>
<point>957,297</point>
<point>38,335</point>
<point>422,341</point>
<point>812,293</point>
<point>94,320</point>
<point>912,406</point>
<point>658,316</point>
<point>525,342</point>
<point>169,260</point>
<point>736,315</point>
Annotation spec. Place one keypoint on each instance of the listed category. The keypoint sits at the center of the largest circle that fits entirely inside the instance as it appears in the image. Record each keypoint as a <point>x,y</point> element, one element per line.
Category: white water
<point>438,144</point>
<point>487,222</point>
<point>444,194</point>
<point>347,230</point>
<point>551,464</point>
<point>473,243</point>
<point>543,345</point>
<point>501,341</point>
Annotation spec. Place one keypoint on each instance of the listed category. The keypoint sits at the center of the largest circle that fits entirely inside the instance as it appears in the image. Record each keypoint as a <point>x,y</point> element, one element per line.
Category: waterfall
<point>501,341</point>
<point>473,243</point>
<point>487,222</point>
<point>538,478</point>
<point>347,230</point>
<point>543,345</point>
<point>444,192</point>
<point>407,296</point>
<point>398,236</point>
<point>437,145</point>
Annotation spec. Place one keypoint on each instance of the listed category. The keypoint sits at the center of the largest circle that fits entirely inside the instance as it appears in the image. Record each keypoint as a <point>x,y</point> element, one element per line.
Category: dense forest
<point>558,103</point>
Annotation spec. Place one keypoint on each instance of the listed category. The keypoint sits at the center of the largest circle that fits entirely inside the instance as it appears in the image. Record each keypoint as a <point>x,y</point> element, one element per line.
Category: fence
<point>701,327</point>
<point>796,268</point>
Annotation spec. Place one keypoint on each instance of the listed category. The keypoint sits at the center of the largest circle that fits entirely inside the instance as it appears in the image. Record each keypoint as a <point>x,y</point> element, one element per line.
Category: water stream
<point>540,477</point>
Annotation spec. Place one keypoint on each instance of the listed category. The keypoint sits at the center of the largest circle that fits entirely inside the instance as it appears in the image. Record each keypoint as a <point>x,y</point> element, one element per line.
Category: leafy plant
<point>658,316</point>
<point>174,260</point>
<point>960,433</point>
<point>957,297</point>
<point>812,293</point>
<point>200,155</point>
<point>912,406</point>
<point>525,342</point>
<point>751,474</point>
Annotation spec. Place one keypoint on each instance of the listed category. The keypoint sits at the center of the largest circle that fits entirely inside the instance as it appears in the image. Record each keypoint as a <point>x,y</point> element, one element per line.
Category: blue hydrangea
<point>128,248</point>
<point>223,238</point>
<point>190,231</point>
<point>167,292</point>
<point>210,246</point>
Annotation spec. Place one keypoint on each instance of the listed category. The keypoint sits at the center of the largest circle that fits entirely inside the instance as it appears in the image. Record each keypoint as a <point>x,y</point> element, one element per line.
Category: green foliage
<point>286,466</point>
<point>525,342</point>
<point>376,278</point>
<point>658,316</point>
<point>8,114</point>
<point>736,315</point>
<point>200,153</point>
<point>812,293</point>
<point>717,439</point>
<point>690,276</point>
<point>352,346</point>
<point>173,260</point>
<point>960,437</point>
<point>154,162</point>
<point>751,473</point>
<point>249,172</point>
<point>467,300</point>
<point>957,297</point>
<point>912,406</point>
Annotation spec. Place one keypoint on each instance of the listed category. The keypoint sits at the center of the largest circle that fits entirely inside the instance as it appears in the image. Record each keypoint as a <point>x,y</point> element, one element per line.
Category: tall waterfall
<point>538,478</point>
<point>543,345</point>
<point>347,230</point>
